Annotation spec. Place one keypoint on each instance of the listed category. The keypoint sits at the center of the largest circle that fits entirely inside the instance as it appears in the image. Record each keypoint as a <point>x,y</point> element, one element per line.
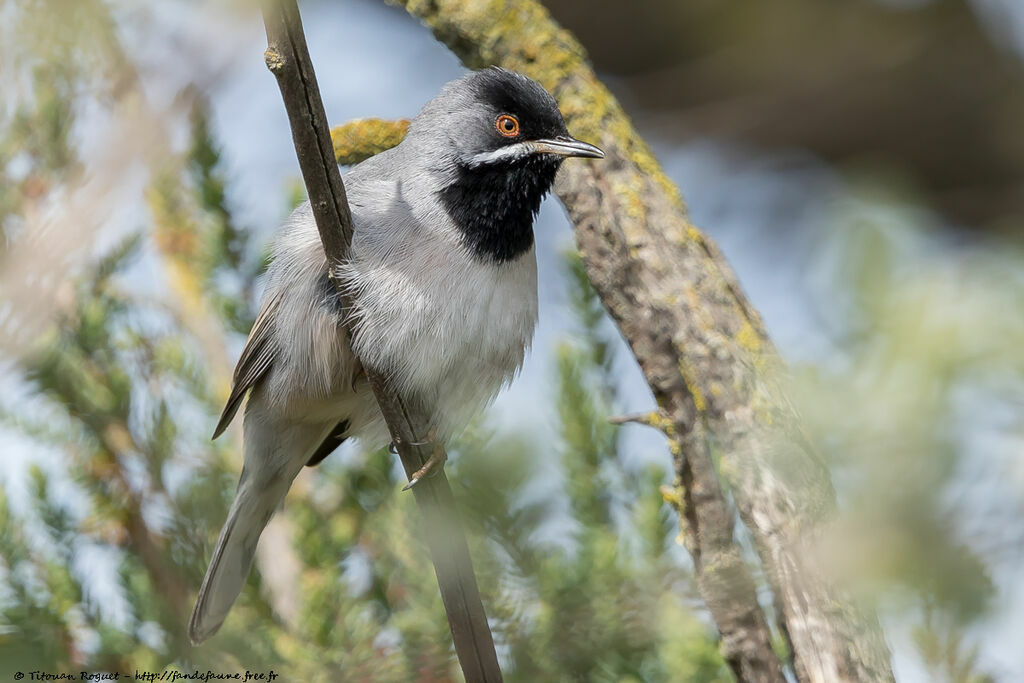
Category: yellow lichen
<point>358,140</point>
<point>698,398</point>
<point>662,423</point>
<point>673,495</point>
<point>689,378</point>
<point>749,338</point>
<point>695,235</point>
<point>273,59</point>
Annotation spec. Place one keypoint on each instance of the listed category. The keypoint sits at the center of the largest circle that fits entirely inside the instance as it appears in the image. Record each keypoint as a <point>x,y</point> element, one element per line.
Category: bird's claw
<point>435,463</point>
<point>393,446</point>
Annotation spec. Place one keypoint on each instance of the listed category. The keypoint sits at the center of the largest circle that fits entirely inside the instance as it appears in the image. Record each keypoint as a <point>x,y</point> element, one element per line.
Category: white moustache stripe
<point>510,153</point>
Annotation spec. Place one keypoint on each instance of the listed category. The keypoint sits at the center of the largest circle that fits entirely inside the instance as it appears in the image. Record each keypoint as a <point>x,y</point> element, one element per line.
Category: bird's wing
<point>330,444</point>
<point>258,355</point>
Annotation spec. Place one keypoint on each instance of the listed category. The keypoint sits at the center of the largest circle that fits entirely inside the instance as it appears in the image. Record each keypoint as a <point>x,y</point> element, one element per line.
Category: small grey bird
<point>444,279</point>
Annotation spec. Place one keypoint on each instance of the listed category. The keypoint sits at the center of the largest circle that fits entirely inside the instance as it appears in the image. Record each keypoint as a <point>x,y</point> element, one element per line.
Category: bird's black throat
<point>494,205</point>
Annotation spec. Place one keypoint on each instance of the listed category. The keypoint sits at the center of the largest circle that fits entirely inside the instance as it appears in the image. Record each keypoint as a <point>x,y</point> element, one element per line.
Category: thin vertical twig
<point>288,59</point>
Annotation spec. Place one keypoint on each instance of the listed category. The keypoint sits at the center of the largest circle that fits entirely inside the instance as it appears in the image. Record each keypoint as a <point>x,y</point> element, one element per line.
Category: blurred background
<point>861,164</point>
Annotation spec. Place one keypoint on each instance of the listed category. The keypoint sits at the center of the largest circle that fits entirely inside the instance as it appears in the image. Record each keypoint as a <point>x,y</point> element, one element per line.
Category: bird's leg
<point>435,463</point>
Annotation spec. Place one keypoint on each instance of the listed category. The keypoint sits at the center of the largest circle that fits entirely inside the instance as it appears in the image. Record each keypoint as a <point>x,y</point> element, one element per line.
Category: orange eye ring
<point>507,126</point>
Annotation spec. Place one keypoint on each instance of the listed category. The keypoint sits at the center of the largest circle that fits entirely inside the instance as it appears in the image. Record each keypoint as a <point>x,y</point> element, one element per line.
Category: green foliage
<point>208,254</point>
<point>60,50</point>
<point>945,652</point>
<point>109,404</point>
<point>37,136</point>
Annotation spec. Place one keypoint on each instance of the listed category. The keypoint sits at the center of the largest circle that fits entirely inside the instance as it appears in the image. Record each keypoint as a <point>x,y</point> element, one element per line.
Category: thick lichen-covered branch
<point>702,348</point>
<point>359,140</point>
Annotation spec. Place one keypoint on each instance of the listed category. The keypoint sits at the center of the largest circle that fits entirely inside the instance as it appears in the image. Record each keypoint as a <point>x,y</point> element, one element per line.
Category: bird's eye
<point>507,125</point>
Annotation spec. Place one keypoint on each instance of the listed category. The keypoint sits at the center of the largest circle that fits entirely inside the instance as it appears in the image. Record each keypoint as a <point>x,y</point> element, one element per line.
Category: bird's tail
<point>232,558</point>
<point>261,489</point>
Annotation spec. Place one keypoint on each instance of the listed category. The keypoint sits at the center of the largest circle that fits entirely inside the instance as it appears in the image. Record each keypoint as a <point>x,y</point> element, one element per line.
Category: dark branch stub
<point>288,59</point>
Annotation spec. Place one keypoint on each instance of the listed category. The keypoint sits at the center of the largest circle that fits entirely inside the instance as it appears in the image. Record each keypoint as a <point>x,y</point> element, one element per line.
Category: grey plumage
<point>444,278</point>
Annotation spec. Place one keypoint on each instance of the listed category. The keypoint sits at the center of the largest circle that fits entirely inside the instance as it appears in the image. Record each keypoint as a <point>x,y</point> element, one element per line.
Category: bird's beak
<point>566,146</point>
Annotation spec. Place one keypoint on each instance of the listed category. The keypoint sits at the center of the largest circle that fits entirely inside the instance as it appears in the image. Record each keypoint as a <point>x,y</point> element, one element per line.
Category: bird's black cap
<point>511,93</point>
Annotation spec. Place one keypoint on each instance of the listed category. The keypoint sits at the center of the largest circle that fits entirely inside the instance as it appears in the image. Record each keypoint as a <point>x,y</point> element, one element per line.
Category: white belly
<point>449,329</point>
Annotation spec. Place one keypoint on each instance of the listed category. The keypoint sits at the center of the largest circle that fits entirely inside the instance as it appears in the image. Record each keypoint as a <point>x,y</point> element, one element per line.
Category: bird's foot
<point>431,439</point>
<point>435,463</point>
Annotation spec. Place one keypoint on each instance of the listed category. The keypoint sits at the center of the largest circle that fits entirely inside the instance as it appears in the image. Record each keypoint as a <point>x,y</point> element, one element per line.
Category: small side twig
<point>650,419</point>
<point>288,58</point>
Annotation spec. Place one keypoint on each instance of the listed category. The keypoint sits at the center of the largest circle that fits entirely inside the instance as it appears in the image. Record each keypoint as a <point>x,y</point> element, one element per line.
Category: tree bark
<point>703,351</point>
<point>288,59</point>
